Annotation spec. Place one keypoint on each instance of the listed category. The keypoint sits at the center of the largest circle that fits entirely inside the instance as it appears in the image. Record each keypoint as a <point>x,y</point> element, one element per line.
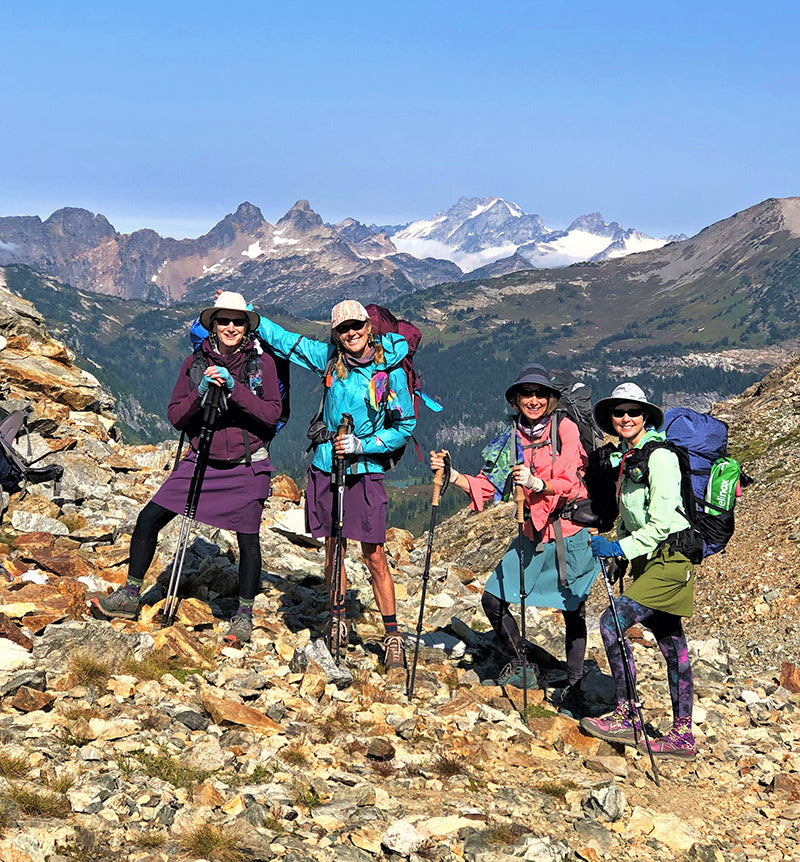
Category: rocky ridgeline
<point>128,741</point>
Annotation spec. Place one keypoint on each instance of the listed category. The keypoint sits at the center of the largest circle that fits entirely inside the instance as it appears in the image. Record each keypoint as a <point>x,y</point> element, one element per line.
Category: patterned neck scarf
<point>359,361</point>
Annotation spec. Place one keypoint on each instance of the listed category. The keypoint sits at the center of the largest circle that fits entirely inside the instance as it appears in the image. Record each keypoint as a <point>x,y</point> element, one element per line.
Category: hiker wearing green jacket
<point>652,535</point>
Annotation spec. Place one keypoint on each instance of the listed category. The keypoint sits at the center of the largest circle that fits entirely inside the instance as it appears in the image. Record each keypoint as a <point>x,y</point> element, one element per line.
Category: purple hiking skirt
<point>231,498</point>
<point>364,507</point>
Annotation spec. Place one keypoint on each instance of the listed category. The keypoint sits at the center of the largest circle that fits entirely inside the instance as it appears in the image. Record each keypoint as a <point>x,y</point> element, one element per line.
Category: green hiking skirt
<point>665,582</point>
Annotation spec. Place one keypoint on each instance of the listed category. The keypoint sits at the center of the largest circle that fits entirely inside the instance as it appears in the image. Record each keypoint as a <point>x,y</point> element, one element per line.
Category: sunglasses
<point>236,321</point>
<point>633,412</point>
<point>536,391</point>
<point>348,325</point>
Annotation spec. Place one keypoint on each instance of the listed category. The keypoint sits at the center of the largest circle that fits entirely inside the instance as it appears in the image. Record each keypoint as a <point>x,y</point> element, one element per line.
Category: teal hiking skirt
<point>541,574</point>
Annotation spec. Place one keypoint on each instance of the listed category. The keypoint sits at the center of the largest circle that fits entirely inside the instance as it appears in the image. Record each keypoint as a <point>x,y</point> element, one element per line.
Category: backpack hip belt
<point>260,454</point>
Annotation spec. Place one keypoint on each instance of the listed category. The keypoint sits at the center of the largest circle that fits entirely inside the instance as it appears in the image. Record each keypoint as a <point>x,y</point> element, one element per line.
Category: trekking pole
<point>630,682</point>
<point>336,596</point>
<point>519,499</point>
<point>213,403</point>
<point>438,487</point>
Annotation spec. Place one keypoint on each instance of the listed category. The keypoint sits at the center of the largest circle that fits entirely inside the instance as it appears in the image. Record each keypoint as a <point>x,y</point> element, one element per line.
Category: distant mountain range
<point>689,321</point>
<point>301,263</point>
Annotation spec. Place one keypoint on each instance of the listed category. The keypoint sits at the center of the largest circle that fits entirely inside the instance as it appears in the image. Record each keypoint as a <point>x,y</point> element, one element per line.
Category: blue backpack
<point>700,442</point>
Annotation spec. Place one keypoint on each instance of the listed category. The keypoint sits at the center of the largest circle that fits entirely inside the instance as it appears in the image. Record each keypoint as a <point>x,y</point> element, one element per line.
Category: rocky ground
<point>129,741</point>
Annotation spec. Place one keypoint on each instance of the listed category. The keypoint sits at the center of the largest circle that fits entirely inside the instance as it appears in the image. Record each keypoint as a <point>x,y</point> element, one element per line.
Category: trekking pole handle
<point>345,427</point>
<point>519,499</point>
<point>438,480</point>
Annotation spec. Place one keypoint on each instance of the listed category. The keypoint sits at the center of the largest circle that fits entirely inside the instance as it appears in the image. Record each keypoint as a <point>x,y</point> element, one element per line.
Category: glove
<point>202,387</point>
<point>225,375</point>
<point>601,547</point>
<point>529,481</point>
<point>352,445</point>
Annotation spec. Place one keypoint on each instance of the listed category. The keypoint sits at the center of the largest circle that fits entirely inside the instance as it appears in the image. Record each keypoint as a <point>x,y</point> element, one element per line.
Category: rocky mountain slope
<point>127,741</point>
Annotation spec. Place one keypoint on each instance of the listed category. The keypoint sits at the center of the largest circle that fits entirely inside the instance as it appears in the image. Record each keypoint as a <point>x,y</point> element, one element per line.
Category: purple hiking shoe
<point>617,726</point>
<point>676,744</point>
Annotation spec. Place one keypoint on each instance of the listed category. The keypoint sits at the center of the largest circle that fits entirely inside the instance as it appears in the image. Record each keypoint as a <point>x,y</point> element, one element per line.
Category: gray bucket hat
<point>535,375</point>
<point>626,393</point>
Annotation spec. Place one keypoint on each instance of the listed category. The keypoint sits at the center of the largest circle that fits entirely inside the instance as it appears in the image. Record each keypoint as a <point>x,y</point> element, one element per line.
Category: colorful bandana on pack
<point>379,389</point>
<point>500,455</point>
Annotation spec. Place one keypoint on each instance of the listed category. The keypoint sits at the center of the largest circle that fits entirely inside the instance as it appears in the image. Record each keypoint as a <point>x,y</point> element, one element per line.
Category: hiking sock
<point>683,726</point>
<point>245,607</point>
<point>133,586</point>
<point>390,624</point>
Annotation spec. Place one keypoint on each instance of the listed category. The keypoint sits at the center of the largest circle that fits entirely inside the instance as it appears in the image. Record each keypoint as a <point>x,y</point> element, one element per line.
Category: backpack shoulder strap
<point>198,367</point>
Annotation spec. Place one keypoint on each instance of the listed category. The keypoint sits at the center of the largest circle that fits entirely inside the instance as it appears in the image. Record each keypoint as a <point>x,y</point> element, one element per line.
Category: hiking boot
<point>119,604</point>
<point>675,744</point>
<point>240,629</point>
<point>395,651</point>
<point>512,675</point>
<point>617,726</point>
<point>571,703</point>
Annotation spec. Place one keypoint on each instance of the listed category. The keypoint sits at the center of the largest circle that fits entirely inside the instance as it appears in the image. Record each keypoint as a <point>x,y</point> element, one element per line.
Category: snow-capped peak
<point>475,232</point>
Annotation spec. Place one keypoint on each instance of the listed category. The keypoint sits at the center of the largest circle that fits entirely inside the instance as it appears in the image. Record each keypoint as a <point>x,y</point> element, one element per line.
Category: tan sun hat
<point>229,301</point>
<point>348,309</point>
<point>626,393</point>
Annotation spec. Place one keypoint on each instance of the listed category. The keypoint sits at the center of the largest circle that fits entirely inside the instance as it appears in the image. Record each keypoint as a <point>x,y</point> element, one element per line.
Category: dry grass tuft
<point>556,789</point>
<point>90,670</point>
<point>36,803</point>
<point>13,765</point>
<point>212,843</point>
<point>294,755</point>
<point>505,834</point>
<point>447,766</point>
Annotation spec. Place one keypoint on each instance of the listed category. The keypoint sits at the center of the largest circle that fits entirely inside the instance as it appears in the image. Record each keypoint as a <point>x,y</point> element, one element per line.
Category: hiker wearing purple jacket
<point>236,482</point>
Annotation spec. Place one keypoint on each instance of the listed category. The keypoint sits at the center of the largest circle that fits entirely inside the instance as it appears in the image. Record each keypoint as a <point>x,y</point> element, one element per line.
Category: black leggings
<point>153,518</point>
<point>507,631</point>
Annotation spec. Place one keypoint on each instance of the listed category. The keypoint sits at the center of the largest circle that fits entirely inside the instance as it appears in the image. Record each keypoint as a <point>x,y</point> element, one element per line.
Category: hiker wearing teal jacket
<point>351,395</point>
<point>363,377</point>
<point>652,535</point>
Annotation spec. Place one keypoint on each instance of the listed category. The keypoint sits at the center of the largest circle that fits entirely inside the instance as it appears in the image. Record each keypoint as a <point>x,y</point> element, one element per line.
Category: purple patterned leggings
<point>668,632</point>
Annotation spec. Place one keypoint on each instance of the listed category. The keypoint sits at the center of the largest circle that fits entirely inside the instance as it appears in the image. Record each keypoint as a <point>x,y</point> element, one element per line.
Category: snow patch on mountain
<point>423,248</point>
<point>633,242</point>
<point>568,248</point>
<point>477,232</point>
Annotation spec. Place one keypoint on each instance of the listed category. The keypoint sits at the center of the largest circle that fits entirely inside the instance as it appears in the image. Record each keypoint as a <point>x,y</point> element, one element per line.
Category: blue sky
<point>662,116</point>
